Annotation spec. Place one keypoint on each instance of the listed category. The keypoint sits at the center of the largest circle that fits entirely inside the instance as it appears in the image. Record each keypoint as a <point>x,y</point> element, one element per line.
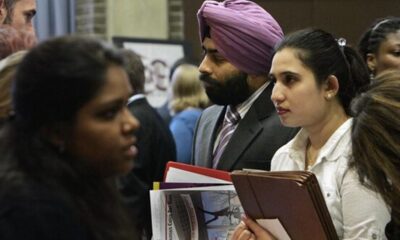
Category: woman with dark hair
<point>376,142</point>
<point>316,77</point>
<point>71,134</point>
<point>380,45</point>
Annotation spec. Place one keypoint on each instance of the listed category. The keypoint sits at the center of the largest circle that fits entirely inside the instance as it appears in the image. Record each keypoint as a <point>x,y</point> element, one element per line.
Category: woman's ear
<point>55,135</point>
<point>371,62</point>
<point>331,87</point>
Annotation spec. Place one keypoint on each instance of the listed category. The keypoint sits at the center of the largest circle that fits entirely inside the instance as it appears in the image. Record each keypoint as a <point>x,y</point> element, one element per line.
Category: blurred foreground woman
<point>71,134</point>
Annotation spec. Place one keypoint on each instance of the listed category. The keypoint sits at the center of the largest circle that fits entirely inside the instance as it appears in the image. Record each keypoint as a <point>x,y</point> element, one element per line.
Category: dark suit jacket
<point>156,147</point>
<point>253,144</point>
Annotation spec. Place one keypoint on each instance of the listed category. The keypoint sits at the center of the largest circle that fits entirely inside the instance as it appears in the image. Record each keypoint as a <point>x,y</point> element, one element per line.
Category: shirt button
<point>374,236</point>
<point>328,194</point>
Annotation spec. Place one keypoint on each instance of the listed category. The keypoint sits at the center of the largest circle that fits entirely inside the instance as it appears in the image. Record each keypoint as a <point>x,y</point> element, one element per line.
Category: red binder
<point>209,172</point>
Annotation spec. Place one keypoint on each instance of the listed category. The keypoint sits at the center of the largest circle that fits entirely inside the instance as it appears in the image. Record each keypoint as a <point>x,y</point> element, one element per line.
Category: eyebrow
<point>283,73</point>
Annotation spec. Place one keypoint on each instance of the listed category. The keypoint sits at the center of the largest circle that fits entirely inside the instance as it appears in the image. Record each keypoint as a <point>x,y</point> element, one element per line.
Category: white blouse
<point>357,212</point>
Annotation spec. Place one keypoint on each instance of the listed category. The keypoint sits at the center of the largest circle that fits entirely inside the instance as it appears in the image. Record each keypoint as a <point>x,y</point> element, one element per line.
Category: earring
<point>328,96</point>
<point>372,74</point>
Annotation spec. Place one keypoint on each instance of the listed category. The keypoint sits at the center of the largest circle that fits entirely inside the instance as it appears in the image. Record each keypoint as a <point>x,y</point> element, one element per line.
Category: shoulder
<point>38,214</point>
<point>190,115</point>
<point>211,110</point>
<point>281,157</point>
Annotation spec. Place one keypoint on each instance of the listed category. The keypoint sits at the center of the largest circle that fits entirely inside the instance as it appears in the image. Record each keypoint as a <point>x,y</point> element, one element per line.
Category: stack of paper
<point>194,203</point>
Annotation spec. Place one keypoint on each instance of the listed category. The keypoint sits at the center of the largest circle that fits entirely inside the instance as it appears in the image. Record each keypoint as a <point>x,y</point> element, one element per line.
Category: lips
<point>281,110</point>
<point>131,150</point>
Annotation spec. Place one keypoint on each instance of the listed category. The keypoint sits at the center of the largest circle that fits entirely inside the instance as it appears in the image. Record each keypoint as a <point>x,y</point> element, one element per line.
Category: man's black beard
<point>232,91</point>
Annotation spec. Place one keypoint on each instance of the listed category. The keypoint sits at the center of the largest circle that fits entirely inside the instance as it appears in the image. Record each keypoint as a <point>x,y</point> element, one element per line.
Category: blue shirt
<point>182,127</point>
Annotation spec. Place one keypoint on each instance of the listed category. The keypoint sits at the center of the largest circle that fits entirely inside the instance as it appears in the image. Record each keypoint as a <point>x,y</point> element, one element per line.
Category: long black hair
<point>52,83</point>
<point>371,40</point>
<point>321,52</point>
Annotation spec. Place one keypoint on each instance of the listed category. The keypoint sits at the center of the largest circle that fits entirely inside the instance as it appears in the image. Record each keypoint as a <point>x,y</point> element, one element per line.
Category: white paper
<point>275,227</point>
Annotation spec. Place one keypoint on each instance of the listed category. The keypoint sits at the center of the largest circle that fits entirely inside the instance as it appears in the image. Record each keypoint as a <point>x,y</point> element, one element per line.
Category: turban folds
<point>243,32</point>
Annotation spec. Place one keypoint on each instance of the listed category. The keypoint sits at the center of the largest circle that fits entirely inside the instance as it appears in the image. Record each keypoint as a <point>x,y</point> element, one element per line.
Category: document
<point>194,203</point>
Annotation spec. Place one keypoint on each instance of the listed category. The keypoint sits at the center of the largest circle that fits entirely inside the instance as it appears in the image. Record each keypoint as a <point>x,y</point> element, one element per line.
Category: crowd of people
<point>80,145</point>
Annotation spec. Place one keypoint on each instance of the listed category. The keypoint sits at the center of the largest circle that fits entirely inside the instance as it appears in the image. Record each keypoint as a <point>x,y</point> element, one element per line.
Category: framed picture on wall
<point>158,56</point>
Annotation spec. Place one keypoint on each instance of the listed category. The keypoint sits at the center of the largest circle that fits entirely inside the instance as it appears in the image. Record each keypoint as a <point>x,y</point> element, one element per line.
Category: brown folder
<point>293,197</point>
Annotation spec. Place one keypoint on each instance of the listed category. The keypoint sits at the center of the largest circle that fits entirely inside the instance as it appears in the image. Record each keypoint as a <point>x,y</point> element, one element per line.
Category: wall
<point>137,18</point>
<point>90,18</point>
<point>344,18</point>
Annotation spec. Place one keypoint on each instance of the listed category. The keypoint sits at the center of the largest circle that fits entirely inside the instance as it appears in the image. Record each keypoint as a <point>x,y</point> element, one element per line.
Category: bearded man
<point>242,129</point>
<point>19,14</point>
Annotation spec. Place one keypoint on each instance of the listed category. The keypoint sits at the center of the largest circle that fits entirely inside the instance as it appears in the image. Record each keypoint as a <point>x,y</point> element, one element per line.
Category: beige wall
<point>137,18</point>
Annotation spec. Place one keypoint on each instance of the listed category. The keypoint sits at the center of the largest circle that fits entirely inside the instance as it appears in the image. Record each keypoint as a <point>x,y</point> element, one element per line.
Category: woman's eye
<point>109,114</point>
<point>396,53</point>
<point>289,79</point>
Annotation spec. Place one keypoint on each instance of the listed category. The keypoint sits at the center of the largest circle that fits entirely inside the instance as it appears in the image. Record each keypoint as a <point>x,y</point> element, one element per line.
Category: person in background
<point>187,102</point>
<point>8,67</point>
<point>380,45</point>
<point>155,144</point>
<point>242,129</point>
<point>18,14</point>
<point>164,110</point>
<point>13,44</point>
<point>71,134</point>
<point>376,142</point>
<point>316,77</point>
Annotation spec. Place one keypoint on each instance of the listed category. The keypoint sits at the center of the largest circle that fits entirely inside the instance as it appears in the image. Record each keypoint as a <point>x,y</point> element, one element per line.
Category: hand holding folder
<point>292,197</point>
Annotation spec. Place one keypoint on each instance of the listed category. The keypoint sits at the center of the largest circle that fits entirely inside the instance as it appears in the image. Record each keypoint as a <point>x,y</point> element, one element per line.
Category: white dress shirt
<point>357,212</point>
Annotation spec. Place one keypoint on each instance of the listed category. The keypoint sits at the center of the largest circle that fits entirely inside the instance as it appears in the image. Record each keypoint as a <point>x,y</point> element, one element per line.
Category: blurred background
<point>174,21</point>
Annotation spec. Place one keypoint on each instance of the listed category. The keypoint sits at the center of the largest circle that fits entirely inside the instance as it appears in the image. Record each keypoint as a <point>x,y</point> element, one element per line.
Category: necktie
<point>232,117</point>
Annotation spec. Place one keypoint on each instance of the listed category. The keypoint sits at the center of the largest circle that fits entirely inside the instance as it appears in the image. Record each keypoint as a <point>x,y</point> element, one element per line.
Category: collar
<point>244,107</point>
<point>338,144</point>
<point>136,97</point>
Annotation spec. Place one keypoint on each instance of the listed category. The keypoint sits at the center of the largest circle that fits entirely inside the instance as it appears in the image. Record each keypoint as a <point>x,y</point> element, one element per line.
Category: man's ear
<point>331,87</point>
<point>371,62</point>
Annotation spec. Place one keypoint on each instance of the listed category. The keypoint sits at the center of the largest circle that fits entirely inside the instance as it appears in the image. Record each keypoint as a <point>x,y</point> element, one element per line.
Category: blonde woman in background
<point>13,42</point>
<point>8,67</point>
<point>187,102</point>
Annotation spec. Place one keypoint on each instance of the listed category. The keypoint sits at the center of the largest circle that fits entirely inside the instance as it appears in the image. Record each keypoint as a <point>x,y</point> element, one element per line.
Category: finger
<point>238,230</point>
<point>258,231</point>
<point>252,237</point>
<point>246,235</point>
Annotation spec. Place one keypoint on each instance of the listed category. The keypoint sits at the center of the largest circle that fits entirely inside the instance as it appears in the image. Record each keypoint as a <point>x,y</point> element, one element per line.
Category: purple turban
<point>243,32</point>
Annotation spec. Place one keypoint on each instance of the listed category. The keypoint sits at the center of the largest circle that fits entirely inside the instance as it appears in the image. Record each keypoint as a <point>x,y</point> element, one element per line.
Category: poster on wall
<point>158,56</point>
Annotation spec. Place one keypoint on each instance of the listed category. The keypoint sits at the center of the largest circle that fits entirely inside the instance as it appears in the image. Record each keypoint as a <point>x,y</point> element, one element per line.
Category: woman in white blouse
<point>316,77</point>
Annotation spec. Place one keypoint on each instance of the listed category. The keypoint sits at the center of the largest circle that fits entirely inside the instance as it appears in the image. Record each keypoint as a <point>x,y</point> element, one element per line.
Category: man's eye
<point>29,16</point>
<point>396,53</point>
<point>218,59</point>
